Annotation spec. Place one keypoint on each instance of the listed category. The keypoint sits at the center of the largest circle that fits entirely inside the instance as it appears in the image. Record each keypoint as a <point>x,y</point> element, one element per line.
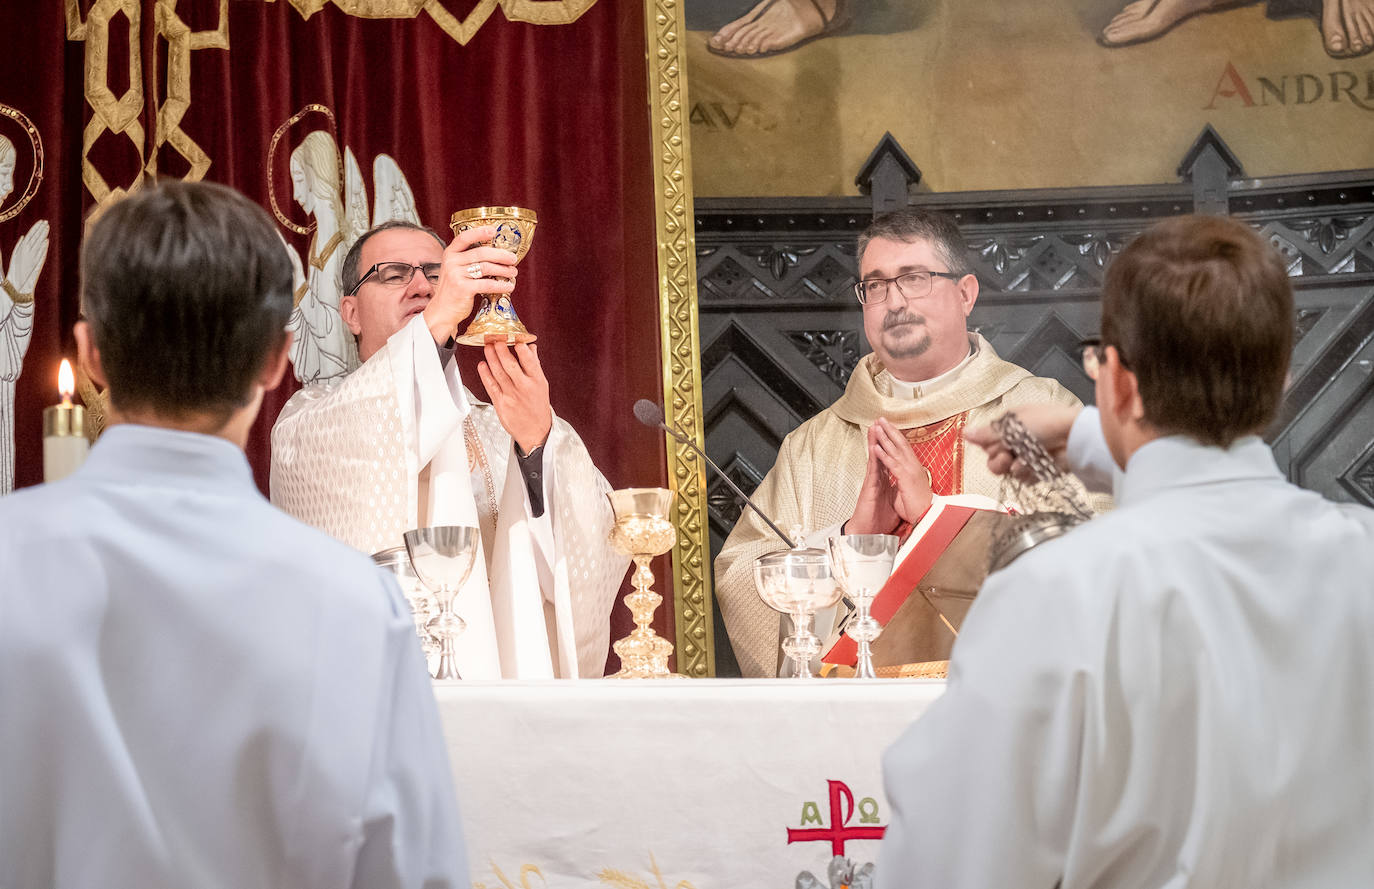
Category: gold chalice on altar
<point>496,321</point>
<point>643,530</point>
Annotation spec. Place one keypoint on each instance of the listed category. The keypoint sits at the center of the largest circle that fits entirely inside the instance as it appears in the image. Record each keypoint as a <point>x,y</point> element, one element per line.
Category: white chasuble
<point>400,443</point>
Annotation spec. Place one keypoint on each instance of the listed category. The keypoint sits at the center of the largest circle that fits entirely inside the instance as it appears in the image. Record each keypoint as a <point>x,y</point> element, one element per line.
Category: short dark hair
<point>187,289</point>
<point>912,224</point>
<point>349,272</point>
<point>1201,310</point>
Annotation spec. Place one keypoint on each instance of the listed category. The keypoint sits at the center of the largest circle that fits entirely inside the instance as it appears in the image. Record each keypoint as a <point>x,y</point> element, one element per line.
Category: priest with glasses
<point>400,443</point>
<point>872,461</point>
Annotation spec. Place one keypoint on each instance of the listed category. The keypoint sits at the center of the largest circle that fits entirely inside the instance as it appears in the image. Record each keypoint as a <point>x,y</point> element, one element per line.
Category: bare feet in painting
<point>776,26</point>
<point>1147,19</point>
<point>1347,27</point>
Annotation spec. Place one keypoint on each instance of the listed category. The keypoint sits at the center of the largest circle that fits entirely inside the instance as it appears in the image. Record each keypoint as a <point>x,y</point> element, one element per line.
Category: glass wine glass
<point>423,606</point>
<point>442,557</point>
<point>798,582</point>
<point>863,563</point>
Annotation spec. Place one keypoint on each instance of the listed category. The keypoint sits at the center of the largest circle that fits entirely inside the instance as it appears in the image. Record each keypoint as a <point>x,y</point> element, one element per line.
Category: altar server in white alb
<point>401,443</point>
<point>195,688</point>
<point>1179,693</point>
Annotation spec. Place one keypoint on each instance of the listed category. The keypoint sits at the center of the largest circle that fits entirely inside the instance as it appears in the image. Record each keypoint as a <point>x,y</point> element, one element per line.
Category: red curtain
<point>553,117</point>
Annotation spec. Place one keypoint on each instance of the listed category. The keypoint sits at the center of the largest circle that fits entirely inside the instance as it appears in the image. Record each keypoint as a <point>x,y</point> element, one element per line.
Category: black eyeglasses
<point>398,274</point>
<point>912,285</point>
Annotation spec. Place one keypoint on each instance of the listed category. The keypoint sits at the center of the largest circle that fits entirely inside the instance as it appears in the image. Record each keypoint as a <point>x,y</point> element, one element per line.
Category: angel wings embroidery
<point>323,348</point>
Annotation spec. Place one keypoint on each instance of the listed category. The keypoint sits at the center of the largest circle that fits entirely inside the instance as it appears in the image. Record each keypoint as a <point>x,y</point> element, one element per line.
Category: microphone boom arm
<point>734,487</point>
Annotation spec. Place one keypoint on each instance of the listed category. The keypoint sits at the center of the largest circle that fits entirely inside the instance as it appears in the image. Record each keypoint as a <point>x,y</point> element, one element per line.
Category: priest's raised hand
<point>896,486</point>
<point>519,392</point>
<point>469,268</point>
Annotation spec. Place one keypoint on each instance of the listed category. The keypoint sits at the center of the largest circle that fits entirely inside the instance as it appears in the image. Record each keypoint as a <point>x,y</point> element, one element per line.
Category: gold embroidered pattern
<point>19,299</point>
<point>477,456</point>
<point>924,434</point>
<point>181,41</point>
<point>322,259</point>
<point>940,448</point>
<point>94,400</point>
<point>620,879</point>
<point>122,114</point>
<point>109,113</point>
<point>679,333</point>
<point>312,108</point>
<point>534,12</point>
<point>525,871</point>
<point>35,175</point>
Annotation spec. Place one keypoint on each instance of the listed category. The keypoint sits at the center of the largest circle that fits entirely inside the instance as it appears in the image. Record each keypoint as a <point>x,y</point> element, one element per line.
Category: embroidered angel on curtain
<point>323,347</point>
<point>17,284</point>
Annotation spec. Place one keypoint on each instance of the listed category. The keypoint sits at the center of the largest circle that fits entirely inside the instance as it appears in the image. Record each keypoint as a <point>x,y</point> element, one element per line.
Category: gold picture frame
<point>679,333</point>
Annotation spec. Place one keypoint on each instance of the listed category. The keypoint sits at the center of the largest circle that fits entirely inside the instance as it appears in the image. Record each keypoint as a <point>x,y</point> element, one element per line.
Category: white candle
<point>64,430</point>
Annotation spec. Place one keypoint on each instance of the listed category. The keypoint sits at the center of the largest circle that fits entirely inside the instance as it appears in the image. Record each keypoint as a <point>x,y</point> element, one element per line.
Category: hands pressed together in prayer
<point>27,259</point>
<point>469,268</point>
<point>896,486</point>
<point>518,390</point>
<point>1050,423</point>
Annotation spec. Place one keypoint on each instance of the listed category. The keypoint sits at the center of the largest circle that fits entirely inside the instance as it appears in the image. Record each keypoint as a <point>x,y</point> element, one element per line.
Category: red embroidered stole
<point>940,448</point>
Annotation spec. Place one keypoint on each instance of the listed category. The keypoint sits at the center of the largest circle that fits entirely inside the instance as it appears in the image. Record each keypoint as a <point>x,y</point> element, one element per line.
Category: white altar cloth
<point>692,784</point>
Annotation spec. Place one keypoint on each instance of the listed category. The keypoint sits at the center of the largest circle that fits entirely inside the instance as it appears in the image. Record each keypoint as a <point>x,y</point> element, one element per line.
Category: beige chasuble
<point>820,468</point>
<point>399,443</point>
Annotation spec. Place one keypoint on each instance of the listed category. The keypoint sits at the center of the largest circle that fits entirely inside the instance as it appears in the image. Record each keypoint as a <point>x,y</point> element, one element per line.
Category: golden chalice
<point>643,530</point>
<point>496,321</point>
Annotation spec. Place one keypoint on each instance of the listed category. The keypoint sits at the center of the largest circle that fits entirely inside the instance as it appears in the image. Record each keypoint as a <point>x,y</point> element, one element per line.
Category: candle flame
<point>66,380</point>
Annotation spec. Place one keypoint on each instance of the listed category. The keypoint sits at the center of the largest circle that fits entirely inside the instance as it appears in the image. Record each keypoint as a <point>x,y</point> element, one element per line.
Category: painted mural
<point>788,97</point>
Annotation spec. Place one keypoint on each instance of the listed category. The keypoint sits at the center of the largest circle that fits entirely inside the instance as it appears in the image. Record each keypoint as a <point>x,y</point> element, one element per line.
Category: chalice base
<point>640,671</point>
<point>495,325</point>
<point>510,338</point>
<point>643,653</point>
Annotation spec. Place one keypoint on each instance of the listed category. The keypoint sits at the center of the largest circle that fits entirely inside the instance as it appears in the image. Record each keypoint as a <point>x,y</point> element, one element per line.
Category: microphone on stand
<point>651,414</point>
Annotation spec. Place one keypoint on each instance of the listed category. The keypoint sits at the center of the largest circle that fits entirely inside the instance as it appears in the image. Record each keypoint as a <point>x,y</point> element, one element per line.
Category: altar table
<point>693,784</point>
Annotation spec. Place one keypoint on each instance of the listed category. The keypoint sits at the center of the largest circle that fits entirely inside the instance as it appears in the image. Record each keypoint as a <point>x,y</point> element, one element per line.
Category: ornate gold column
<point>677,294</point>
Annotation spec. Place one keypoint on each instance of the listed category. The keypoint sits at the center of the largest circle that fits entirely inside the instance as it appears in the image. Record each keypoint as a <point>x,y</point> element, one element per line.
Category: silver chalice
<point>442,557</point>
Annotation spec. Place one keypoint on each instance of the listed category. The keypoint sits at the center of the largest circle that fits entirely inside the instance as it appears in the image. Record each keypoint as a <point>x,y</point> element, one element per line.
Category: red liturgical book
<point>938,572</point>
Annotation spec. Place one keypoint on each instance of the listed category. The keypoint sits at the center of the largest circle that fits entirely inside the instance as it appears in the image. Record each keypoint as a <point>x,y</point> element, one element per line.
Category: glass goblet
<point>423,607</point>
<point>798,582</point>
<point>442,557</point>
<point>863,563</point>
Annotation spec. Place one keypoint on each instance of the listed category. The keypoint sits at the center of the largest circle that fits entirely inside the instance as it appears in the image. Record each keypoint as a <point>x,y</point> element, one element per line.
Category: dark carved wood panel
<point>781,331</point>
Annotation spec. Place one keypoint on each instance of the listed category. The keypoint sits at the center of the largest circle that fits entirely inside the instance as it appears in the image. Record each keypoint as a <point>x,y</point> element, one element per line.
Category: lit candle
<point>64,430</point>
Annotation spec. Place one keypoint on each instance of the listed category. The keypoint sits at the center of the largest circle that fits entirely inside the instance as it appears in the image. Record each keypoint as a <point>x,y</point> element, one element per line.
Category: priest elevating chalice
<point>496,321</point>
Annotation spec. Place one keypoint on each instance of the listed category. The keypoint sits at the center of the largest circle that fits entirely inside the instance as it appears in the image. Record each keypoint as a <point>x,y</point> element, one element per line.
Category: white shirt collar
<point>1179,461</point>
<point>129,453</point>
<point>903,389</point>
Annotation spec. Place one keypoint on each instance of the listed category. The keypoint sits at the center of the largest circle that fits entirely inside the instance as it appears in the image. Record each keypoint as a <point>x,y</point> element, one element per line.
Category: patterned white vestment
<point>387,448</point>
